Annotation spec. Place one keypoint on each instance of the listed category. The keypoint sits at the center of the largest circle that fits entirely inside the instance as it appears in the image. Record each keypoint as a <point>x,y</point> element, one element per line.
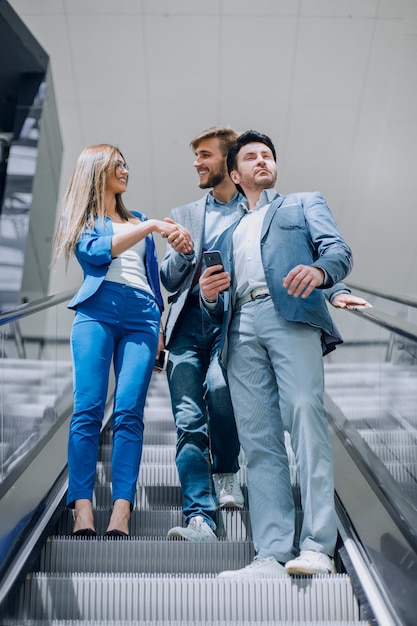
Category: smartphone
<point>162,361</point>
<point>213,257</point>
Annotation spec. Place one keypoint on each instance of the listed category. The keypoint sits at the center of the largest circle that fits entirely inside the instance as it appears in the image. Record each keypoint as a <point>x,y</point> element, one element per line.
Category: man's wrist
<point>325,277</point>
<point>188,257</point>
<point>208,300</point>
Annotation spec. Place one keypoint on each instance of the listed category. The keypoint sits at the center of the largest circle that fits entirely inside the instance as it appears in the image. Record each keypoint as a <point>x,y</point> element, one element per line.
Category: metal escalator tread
<point>189,599</point>
<point>145,523</point>
<point>138,555</point>
<point>150,580</point>
<point>58,622</point>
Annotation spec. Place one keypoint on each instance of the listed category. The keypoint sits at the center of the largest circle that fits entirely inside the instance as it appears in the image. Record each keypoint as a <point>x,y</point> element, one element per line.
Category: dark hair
<point>249,136</point>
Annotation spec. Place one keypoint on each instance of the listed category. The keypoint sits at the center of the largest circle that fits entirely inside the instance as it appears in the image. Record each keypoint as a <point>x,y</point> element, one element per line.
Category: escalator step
<point>143,555</point>
<point>188,600</point>
<point>157,496</point>
<point>54,622</point>
<point>58,622</point>
<point>403,474</point>
<point>152,497</point>
<point>159,437</point>
<point>160,473</point>
<point>389,437</point>
<point>150,453</point>
<point>233,524</point>
<point>403,454</point>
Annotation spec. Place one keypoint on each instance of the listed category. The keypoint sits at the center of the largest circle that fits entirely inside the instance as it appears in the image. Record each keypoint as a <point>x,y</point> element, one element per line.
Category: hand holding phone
<point>212,285</point>
<point>162,361</point>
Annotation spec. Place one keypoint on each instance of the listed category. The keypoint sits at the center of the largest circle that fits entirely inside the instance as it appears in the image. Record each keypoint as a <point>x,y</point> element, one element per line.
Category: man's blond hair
<point>225,134</point>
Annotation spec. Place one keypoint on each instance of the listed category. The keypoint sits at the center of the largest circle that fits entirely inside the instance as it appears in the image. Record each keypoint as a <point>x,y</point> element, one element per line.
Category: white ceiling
<point>333,82</point>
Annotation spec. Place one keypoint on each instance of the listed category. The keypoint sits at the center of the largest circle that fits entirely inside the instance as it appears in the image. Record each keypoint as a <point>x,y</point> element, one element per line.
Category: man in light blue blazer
<point>279,258</point>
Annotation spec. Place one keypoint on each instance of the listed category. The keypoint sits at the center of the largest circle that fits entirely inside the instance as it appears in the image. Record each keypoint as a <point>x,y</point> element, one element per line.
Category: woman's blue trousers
<point>118,323</point>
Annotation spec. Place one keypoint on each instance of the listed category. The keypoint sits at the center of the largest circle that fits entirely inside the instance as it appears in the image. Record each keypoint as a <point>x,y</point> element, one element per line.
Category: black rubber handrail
<point>387,321</point>
<point>406,300</point>
<point>390,322</point>
<point>22,310</point>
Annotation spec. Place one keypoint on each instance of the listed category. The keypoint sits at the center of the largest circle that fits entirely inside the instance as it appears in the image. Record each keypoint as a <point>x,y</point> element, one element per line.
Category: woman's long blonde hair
<point>83,201</point>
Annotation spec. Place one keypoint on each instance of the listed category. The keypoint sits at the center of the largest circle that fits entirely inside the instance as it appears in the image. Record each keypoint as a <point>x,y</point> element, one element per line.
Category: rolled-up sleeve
<point>94,249</point>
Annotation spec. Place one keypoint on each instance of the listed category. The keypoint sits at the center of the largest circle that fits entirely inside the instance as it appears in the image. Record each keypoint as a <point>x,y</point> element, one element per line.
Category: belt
<point>255,294</point>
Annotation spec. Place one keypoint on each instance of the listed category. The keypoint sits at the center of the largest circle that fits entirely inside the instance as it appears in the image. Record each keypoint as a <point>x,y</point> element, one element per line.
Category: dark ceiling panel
<point>20,56</point>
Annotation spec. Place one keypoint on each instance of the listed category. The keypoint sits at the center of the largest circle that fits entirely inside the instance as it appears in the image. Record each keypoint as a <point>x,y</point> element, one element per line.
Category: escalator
<point>150,580</point>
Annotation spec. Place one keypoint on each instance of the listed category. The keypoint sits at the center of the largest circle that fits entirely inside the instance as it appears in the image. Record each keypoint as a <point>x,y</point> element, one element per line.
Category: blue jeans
<point>207,441</point>
<point>120,323</point>
<point>275,372</point>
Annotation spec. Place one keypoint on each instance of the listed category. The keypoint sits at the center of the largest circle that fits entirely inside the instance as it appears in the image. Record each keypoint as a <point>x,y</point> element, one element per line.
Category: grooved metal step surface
<point>77,622</point>
<point>189,599</point>
<point>232,524</point>
<point>140,555</point>
<point>380,400</point>
<point>148,579</point>
<point>55,622</point>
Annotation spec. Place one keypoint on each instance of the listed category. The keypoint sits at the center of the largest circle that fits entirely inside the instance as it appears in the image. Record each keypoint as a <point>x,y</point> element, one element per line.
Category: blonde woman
<point>117,316</point>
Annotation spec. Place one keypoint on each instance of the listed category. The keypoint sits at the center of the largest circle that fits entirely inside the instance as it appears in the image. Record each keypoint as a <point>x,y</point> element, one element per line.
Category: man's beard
<point>270,184</point>
<point>215,178</point>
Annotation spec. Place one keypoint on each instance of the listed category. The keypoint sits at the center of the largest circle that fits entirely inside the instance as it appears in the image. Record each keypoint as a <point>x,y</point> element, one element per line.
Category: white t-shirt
<point>129,267</point>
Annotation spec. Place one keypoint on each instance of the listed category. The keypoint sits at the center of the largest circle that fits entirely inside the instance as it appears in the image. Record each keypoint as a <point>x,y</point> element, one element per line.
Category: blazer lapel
<point>275,204</point>
<point>198,212</point>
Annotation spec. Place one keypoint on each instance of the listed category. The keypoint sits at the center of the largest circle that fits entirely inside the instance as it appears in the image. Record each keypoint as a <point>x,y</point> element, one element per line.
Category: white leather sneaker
<point>261,567</point>
<point>228,491</point>
<point>197,530</point>
<point>311,562</point>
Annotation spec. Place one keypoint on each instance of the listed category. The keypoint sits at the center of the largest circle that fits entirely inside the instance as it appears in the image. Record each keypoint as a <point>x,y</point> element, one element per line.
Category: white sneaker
<point>311,562</point>
<point>197,530</point>
<point>228,491</point>
<point>261,567</point>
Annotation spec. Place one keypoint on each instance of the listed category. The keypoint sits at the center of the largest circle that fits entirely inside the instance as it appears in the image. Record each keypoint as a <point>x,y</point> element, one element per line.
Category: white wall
<point>332,81</point>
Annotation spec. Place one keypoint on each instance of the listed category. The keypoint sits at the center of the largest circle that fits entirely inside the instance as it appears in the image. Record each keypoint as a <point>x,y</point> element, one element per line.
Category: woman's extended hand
<point>178,237</point>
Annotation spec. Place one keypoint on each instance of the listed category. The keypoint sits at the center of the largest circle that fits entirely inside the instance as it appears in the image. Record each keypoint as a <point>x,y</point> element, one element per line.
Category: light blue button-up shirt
<point>218,217</point>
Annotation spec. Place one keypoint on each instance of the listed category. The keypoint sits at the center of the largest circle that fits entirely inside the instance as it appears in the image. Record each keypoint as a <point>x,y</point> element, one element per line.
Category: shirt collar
<point>266,197</point>
<point>212,201</point>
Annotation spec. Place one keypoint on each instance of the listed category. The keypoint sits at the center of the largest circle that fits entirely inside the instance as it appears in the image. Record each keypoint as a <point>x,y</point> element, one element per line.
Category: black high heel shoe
<point>85,532</point>
<point>115,534</point>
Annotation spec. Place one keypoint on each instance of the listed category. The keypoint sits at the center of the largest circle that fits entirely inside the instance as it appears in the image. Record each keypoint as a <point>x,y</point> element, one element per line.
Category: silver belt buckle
<point>262,293</point>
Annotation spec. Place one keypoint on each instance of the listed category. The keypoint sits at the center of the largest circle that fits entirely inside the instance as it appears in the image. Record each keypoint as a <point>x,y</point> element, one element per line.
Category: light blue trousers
<point>275,371</point>
<point>119,323</point>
